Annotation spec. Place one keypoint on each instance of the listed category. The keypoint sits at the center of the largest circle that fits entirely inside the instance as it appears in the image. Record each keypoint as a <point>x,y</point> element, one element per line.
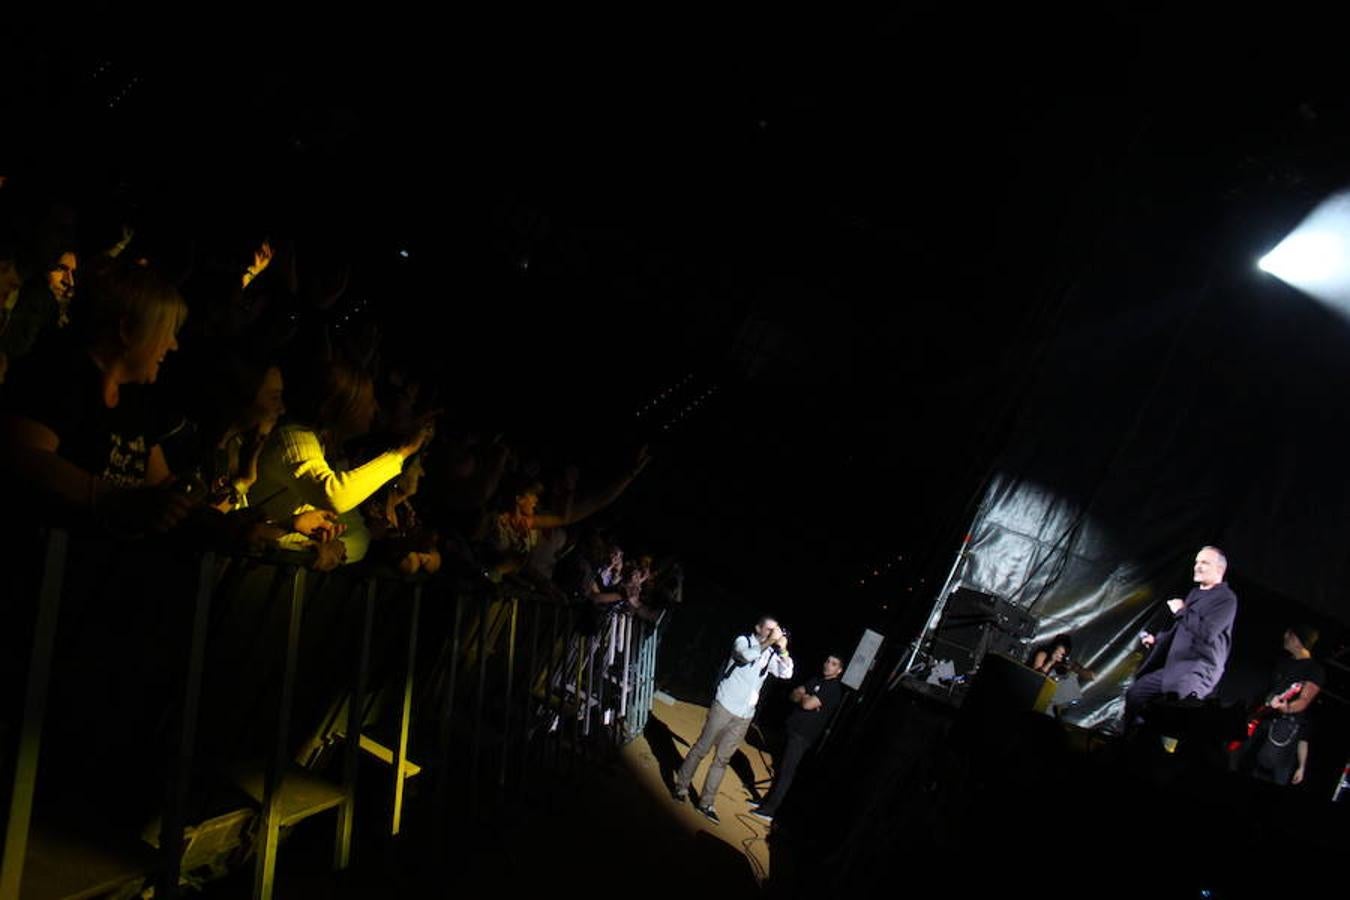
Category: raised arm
<point>585,507</point>
<point>300,456</point>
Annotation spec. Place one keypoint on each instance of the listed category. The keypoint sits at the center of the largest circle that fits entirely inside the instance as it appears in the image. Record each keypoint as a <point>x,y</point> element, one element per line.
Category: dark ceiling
<point>845,234</point>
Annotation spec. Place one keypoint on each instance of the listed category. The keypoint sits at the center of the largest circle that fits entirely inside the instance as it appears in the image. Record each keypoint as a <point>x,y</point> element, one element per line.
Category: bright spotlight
<point>1315,256</point>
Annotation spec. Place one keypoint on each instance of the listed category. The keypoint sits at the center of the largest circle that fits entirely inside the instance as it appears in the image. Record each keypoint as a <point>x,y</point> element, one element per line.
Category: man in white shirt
<point>754,657</point>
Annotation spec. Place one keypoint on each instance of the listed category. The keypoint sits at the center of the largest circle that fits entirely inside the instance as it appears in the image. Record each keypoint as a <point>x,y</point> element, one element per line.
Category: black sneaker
<point>679,794</point>
<point>759,813</point>
<point>710,814</point>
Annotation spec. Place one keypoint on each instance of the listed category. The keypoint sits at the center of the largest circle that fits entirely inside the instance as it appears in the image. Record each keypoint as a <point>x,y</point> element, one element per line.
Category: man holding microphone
<point>1188,658</point>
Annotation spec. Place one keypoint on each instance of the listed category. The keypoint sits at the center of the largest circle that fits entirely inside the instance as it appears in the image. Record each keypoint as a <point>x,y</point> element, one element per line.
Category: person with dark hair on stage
<point>1054,660</point>
<point>1188,657</point>
<point>1278,750</point>
<point>1052,656</point>
<point>754,657</point>
<point>816,699</point>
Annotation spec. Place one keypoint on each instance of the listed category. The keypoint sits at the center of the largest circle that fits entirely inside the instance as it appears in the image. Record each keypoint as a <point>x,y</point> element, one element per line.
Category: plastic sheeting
<point>1075,575</point>
<point>1208,417</point>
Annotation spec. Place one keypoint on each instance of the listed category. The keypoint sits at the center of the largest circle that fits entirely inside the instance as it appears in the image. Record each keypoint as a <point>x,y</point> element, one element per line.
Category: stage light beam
<point>1315,256</point>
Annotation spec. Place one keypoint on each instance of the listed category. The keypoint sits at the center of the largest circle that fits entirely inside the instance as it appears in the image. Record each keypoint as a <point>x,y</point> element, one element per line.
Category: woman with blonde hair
<point>81,426</point>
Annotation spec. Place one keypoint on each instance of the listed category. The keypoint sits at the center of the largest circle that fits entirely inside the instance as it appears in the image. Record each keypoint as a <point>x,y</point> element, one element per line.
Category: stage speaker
<point>1007,685</point>
<point>974,623</point>
<point>1013,621</point>
<point>961,635</point>
<point>1018,648</point>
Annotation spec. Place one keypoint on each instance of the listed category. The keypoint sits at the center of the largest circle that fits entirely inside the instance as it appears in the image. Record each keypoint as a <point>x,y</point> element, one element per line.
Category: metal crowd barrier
<point>510,685</point>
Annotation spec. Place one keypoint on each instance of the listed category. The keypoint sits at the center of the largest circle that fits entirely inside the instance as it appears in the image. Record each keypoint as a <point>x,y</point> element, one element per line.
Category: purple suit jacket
<point>1193,651</point>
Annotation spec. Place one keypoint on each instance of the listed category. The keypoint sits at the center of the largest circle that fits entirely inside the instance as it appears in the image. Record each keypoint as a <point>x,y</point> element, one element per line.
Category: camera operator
<point>754,657</point>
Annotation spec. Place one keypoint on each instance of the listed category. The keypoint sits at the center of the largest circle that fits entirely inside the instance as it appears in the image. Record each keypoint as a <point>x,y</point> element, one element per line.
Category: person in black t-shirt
<point>79,424</point>
<point>1278,750</point>
<point>817,699</point>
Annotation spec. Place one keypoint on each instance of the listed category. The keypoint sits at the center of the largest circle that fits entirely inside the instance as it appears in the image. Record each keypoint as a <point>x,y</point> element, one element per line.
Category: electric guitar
<point>1264,711</point>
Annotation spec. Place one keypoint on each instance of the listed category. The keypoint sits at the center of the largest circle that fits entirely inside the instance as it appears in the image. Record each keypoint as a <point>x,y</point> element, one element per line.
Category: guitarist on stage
<point>1278,750</point>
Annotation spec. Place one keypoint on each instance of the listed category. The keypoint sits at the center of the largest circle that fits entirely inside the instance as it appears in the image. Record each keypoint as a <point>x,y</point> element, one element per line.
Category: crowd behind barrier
<point>253,547</point>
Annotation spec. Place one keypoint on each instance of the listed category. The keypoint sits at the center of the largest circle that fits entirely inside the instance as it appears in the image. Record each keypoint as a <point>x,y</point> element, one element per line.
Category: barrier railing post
<point>405,709</point>
<point>34,710</point>
<point>269,833</point>
<point>342,850</point>
<point>483,610</point>
<point>531,663</point>
<point>557,672</point>
<point>173,824</point>
<point>510,682</point>
<point>445,735</point>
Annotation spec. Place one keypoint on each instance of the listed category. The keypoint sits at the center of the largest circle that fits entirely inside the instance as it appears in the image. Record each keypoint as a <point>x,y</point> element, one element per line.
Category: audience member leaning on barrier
<point>234,410</point>
<point>81,427</point>
<point>508,537</point>
<point>294,472</point>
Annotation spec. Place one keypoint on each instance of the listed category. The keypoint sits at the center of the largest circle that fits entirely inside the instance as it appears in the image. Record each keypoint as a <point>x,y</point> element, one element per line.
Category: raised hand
<point>426,430</point>
<point>262,258</point>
